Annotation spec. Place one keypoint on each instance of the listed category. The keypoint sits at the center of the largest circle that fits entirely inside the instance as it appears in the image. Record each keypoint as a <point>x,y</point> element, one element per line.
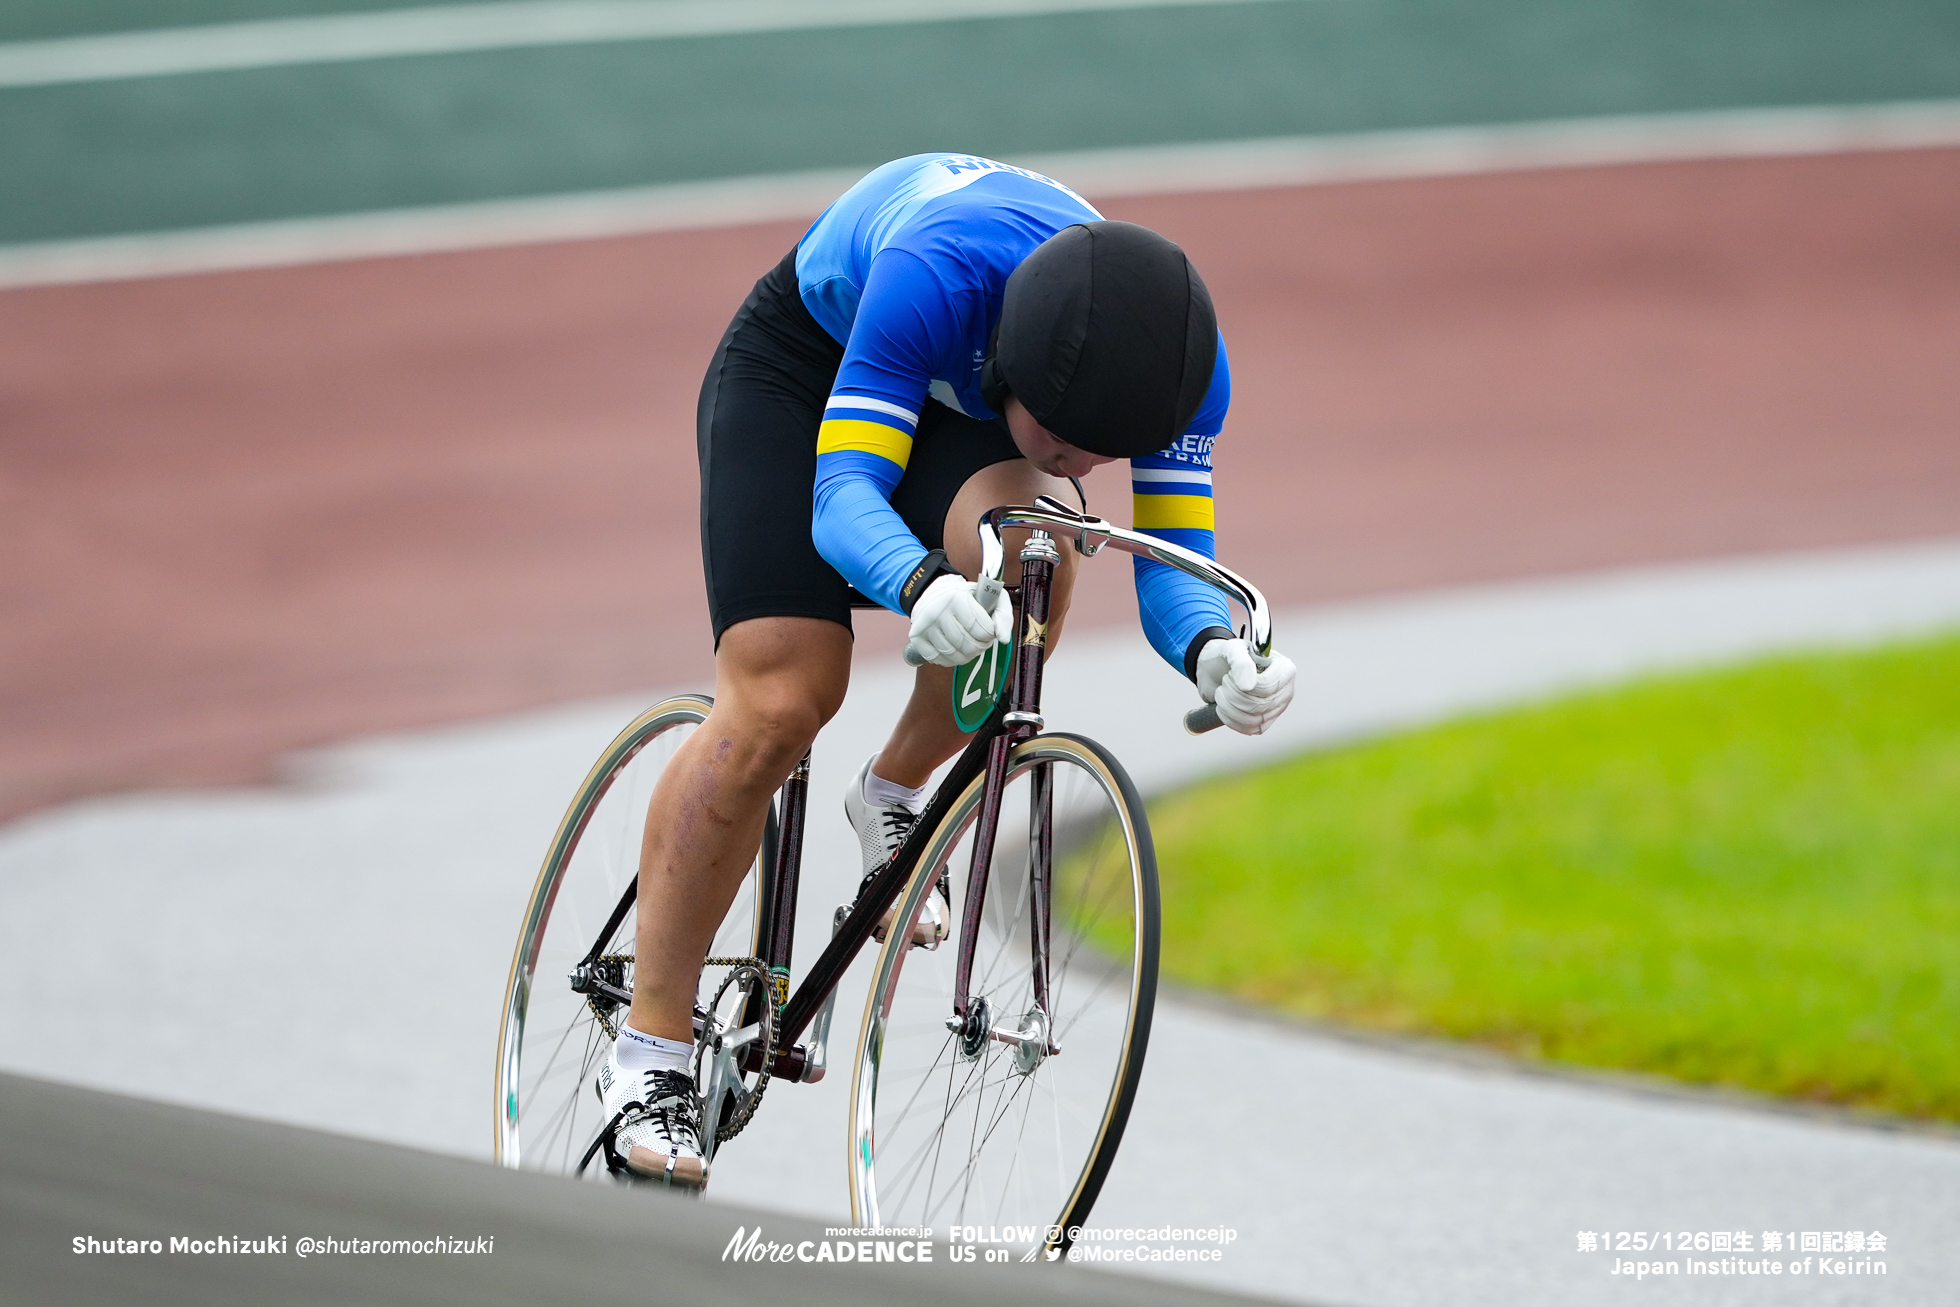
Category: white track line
<point>458,29</point>
<point>432,230</point>
<point>1101,174</point>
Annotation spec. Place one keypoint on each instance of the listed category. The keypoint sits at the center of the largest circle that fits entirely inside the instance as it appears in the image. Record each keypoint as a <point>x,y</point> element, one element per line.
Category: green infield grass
<point>1746,877</point>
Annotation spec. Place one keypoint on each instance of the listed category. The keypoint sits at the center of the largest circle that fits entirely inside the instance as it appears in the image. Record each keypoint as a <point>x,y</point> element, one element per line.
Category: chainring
<point>758,996</point>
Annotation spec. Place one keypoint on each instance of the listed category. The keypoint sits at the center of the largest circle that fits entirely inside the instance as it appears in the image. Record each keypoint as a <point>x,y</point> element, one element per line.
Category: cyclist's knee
<point>1015,481</point>
<point>777,681</point>
<point>781,717</point>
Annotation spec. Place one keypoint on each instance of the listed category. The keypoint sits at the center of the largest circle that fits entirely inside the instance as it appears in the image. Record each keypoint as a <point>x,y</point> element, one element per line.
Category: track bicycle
<point>994,1071</point>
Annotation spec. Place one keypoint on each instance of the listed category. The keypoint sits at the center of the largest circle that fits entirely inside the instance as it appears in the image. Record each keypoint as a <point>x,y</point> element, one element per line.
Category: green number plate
<point>976,685</point>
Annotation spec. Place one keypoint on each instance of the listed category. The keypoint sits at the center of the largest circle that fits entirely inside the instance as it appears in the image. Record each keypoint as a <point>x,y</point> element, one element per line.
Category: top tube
<point>1090,534</point>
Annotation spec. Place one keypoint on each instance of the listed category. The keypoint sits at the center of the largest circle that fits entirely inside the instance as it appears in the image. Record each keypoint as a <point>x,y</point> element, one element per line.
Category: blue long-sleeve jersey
<point>906,270</point>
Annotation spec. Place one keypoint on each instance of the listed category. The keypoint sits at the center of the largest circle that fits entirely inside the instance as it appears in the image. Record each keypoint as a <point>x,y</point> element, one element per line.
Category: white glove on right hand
<point>1248,700</point>
<point>950,626</point>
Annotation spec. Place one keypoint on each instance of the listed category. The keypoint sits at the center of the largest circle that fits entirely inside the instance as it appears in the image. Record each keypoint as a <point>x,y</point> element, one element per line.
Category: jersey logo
<point>973,164</point>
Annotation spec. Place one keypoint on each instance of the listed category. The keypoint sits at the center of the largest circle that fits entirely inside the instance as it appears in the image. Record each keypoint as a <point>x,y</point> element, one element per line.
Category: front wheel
<point>1007,1119</point>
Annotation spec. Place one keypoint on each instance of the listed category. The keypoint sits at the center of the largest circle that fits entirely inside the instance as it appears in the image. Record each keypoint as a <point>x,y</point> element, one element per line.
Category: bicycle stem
<point>1089,534</point>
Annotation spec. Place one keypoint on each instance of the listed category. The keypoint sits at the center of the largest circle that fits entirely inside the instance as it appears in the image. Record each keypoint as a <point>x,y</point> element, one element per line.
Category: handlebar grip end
<point>1202,719</point>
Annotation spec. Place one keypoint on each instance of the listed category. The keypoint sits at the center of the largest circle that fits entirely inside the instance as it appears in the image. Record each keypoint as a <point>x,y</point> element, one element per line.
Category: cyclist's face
<point>1045,449</point>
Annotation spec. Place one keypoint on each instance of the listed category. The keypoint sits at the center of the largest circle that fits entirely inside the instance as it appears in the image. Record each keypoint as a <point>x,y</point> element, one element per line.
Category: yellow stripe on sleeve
<point>1169,511</point>
<point>839,434</point>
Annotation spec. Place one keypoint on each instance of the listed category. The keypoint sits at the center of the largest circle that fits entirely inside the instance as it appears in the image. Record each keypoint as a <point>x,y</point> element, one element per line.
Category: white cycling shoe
<point>658,1135</point>
<point>880,831</point>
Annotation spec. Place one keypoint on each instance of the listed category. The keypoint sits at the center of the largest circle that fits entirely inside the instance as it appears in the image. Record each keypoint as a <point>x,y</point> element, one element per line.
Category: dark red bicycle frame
<point>1016,717</point>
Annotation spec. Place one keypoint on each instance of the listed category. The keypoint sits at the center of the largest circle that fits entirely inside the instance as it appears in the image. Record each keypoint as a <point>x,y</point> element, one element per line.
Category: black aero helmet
<point>1107,337</point>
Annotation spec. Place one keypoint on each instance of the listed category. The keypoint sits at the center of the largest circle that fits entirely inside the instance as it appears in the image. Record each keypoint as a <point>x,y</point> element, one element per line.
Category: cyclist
<point>952,334</point>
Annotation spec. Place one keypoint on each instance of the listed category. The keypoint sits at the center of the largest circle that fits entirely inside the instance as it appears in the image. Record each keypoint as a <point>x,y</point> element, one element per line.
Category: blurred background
<point>348,357</point>
<point>260,509</point>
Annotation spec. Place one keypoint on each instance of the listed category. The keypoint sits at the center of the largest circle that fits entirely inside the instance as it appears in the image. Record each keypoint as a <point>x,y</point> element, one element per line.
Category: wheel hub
<point>975,1030</point>
<point>1031,1050</point>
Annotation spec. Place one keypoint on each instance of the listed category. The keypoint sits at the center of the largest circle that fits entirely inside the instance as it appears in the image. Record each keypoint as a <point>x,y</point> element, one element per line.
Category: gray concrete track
<point>332,954</point>
<point>80,1164</point>
<point>1366,1175</point>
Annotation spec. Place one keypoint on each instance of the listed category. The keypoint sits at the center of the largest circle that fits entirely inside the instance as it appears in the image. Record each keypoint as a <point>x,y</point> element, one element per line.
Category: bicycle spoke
<point>1016,1135</point>
<point>936,1139</point>
<point>554,1044</point>
<point>973,1150</point>
<point>562,1108</point>
<point>544,1076</point>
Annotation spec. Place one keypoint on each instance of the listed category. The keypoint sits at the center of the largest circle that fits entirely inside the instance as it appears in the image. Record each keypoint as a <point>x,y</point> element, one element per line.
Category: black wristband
<point>1197,646</point>
<point>930,569</point>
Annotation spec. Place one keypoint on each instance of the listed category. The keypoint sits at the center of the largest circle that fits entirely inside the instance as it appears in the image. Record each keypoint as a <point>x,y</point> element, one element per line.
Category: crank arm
<point>815,1052</point>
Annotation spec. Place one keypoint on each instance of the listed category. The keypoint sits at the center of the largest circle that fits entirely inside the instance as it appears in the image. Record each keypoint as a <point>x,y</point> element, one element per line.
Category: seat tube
<point>780,921</point>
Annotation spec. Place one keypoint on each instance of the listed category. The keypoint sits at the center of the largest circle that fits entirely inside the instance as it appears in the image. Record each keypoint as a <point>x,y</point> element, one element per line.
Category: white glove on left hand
<point>950,626</point>
<point>1248,700</point>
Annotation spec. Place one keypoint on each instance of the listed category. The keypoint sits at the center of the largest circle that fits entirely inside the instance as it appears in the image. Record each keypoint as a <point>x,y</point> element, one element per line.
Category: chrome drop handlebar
<point>1090,534</point>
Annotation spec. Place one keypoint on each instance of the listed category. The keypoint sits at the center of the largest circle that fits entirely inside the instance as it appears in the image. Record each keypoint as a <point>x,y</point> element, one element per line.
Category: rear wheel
<point>574,958</point>
<point>1008,1118</point>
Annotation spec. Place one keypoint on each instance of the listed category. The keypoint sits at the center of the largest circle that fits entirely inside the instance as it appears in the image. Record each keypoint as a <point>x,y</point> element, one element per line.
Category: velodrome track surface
<point>382,538</point>
<point>205,1177</point>
<point>267,509</point>
<point>257,511</point>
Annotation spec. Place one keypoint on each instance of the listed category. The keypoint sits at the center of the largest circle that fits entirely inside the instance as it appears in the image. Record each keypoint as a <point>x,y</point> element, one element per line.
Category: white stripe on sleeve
<point>875,405</point>
<point>1170,474</point>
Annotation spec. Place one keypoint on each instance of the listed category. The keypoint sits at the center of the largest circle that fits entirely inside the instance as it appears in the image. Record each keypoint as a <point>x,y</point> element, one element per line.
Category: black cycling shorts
<point>756,428</point>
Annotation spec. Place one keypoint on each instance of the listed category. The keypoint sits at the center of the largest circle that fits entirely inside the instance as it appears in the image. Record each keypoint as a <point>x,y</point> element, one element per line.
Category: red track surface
<point>248,512</point>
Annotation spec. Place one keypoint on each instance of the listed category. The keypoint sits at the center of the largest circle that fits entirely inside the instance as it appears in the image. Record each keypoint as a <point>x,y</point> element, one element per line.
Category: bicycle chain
<point>770,1010</point>
<point>753,1099</point>
<point>602,1007</point>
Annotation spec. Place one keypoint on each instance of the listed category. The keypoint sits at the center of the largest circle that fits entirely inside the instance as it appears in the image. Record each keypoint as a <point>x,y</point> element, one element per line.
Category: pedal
<point>927,932</point>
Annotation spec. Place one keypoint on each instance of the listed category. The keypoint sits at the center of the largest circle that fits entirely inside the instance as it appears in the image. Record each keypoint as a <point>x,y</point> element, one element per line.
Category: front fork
<point>1022,720</point>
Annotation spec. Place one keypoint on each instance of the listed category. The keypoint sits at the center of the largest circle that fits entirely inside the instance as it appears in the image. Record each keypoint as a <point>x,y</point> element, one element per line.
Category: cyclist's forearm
<point>1171,496</point>
<point>1175,606</point>
<point>863,537</point>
